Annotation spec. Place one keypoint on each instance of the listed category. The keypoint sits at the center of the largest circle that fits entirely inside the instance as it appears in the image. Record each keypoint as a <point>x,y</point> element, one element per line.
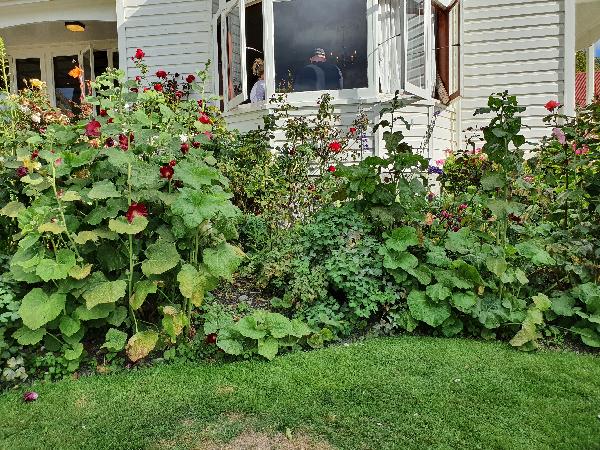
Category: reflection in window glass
<point>415,52</point>
<point>320,45</point>
<point>234,55</point>
<point>100,62</point>
<point>27,69</point>
<point>67,89</point>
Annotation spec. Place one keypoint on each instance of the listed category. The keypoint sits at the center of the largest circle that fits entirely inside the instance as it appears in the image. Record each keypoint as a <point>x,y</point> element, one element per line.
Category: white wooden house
<point>445,56</point>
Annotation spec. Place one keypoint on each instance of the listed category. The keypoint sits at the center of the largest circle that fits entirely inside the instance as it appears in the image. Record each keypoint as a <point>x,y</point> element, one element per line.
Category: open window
<point>229,30</point>
<point>447,51</point>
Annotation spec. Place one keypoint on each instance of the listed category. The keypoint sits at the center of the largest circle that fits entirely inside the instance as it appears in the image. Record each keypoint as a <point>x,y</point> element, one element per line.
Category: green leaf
<point>162,257</point>
<point>105,292</point>
<point>52,227</point>
<point>142,290</point>
<point>464,301</point>
<point>542,302</point>
<point>401,238</point>
<point>452,326</point>
<point>25,336</point>
<point>117,317</point>
<point>56,269</point>
<point>527,333</point>
<point>193,284</point>
<point>12,209</point>
<point>268,347</point>
<point>69,326</point>
<point>80,272</point>
<point>278,325</point>
<point>122,226</point>
<point>496,265</point>
<point>70,196</point>
<point>173,322</point>
<point>248,327</point>
<point>222,261</point>
<point>299,329</point>
<point>405,261</point>
<point>461,242</point>
<point>141,344</point>
<point>493,180</point>
<point>196,175</point>
<point>102,190</point>
<point>535,253</point>
<point>194,207</point>
<point>115,340</point>
<point>563,305</point>
<point>97,312</point>
<point>229,344</point>
<point>467,273</point>
<point>38,308</point>
<point>74,352</point>
<point>423,309</point>
<point>438,292</point>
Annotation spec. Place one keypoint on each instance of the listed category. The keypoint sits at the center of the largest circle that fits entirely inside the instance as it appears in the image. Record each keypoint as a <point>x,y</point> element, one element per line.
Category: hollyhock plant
<point>211,339</point>
<point>158,87</point>
<point>352,130</point>
<point>161,74</point>
<point>103,113</point>
<point>92,129</point>
<point>552,105</point>
<point>172,163</point>
<point>136,210</point>
<point>185,148</point>
<point>167,172</point>
<point>335,147</point>
<point>22,171</point>
<point>110,142</point>
<point>559,135</point>
<point>196,144</point>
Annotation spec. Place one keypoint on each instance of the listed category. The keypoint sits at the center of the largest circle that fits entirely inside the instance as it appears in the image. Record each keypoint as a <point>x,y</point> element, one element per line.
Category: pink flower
<point>190,78</point>
<point>136,210</point>
<point>58,162</point>
<point>161,74</point>
<point>178,94</point>
<point>208,134</point>
<point>29,397</point>
<point>552,105</point>
<point>172,163</point>
<point>92,129</point>
<point>559,135</point>
<point>440,162</point>
<point>139,54</point>
<point>581,151</point>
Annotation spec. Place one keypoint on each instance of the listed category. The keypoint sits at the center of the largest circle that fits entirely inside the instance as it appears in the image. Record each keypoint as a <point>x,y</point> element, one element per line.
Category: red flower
<point>138,79</point>
<point>196,144</point>
<point>110,142</point>
<point>178,94</point>
<point>173,163</point>
<point>92,129</point>
<point>136,90</point>
<point>161,74</point>
<point>146,89</point>
<point>103,113</point>
<point>124,141</point>
<point>158,87</point>
<point>352,130</point>
<point>208,134</point>
<point>166,172</point>
<point>552,105</point>
<point>190,78</point>
<point>211,339</point>
<point>136,210</point>
<point>22,171</point>
<point>205,119</point>
<point>331,169</point>
<point>139,54</point>
<point>110,120</point>
<point>35,154</point>
<point>335,147</point>
<point>185,148</point>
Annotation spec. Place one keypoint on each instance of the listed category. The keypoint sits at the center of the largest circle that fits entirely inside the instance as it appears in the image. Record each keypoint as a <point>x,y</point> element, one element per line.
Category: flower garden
<point>141,231</point>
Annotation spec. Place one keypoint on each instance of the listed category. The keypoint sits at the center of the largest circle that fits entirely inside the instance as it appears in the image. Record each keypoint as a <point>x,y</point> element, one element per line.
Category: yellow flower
<point>31,166</point>
<point>36,83</point>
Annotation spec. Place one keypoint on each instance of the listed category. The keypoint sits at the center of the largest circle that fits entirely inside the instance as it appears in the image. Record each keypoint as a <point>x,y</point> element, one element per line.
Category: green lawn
<point>396,393</point>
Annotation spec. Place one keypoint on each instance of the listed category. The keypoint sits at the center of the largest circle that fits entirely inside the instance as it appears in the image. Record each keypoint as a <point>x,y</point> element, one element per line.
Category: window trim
<point>427,91</point>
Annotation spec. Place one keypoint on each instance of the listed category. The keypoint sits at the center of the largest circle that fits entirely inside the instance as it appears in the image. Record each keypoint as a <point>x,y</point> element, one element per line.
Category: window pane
<point>320,45</point>
<point>67,89</point>
<point>27,69</point>
<point>254,43</point>
<point>100,62</point>
<point>415,53</point>
<point>234,55</point>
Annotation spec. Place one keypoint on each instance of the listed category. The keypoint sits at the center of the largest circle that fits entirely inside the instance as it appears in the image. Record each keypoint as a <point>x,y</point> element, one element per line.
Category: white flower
<point>24,109</point>
<point>184,138</point>
<point>37,118</point>
<point>127,106</point>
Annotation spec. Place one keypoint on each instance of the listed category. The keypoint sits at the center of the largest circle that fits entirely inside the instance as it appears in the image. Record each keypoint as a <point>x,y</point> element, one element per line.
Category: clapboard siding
<point>516,46</point>
<point>175,35</point>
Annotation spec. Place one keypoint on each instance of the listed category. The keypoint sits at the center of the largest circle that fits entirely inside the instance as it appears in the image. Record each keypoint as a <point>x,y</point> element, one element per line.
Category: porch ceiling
<point>587,26</point>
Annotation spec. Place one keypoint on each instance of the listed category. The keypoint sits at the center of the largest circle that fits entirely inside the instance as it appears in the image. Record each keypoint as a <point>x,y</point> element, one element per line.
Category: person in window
<point>319,75</point>
<point>258,93</point>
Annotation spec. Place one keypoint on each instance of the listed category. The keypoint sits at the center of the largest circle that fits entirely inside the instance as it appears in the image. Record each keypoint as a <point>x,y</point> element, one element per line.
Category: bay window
<point>352,49</point>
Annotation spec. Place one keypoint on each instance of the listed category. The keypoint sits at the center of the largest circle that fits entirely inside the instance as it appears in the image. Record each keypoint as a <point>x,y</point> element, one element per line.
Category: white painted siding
<point>514,45</point>
<point>175,35</point>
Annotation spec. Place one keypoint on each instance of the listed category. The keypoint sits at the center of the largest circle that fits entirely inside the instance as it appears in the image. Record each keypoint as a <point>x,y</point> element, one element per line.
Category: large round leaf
<point>162,257</point>
<point>425,310</point>
<point>38,308</point>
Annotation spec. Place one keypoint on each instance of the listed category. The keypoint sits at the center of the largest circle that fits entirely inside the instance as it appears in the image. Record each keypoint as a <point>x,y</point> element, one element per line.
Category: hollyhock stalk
<point>131,263</point>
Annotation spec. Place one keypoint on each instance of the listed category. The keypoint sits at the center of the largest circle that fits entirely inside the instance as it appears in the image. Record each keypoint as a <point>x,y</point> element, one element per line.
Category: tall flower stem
<point>131,261</point>
<point>61,211</point>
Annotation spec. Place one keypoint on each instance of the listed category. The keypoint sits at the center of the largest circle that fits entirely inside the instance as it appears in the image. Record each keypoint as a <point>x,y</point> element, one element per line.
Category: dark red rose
<point>190,78</point>
<point>103,113</point>
<point>110,142</point>
<point>331,169</point>
<point>196,144</point>
<point>123,142</point>
<point>92,129</point>
<point>335,147</point>
<point>205,119</point>
<point>110,120</point>
<point>158,87</point>
<point>185,148</point>
<point>136,210</point>
<point>166,172</point>
<point>22,171</point>
<point>139,54</point>
<point>35,154</point>
<point>173,163</point>
<point>138,79</point>
<point>136,90</point>
<point>161,74</point>
<point>211,339</point>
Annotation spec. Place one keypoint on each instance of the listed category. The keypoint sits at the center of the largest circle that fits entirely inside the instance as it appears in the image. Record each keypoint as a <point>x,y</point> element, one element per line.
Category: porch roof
<point>587,26</point>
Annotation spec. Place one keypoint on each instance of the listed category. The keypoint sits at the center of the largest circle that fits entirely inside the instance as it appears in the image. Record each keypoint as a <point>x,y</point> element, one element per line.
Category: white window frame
<point>427,91</point>
<point>226,8</point>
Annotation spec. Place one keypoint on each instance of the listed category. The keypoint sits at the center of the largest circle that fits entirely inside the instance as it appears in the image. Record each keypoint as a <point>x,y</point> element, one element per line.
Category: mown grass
<point>396,393</point>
